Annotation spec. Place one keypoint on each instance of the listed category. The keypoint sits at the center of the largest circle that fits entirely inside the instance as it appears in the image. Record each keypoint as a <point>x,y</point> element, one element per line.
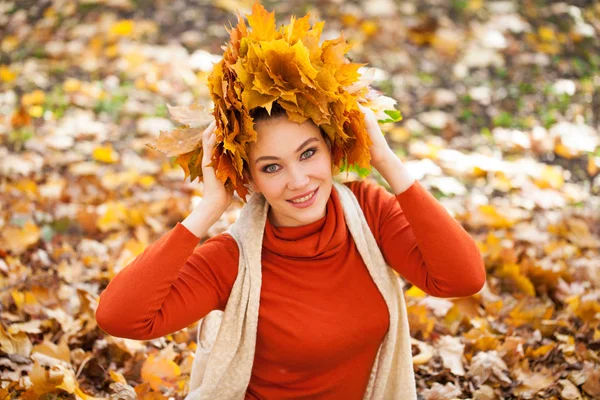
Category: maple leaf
<point>195,115</point>
<point>186,139</point>
<point>262,23</point>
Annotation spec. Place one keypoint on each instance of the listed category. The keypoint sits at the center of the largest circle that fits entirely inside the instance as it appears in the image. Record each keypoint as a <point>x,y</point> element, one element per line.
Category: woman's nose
<point>298,178</point>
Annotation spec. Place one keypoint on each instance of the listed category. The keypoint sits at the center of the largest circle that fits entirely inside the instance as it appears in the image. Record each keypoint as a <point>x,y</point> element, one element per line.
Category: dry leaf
<point>487,366</point>
<point>160,371</point>
<point>441,392</point>
<point>452,350</point>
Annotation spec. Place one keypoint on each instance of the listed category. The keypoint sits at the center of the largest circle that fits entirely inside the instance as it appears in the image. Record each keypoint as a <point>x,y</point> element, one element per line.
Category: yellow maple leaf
<point>113,216</point>
<point>415,292</point>
<point>105,154</point>
<point>160,371</point>
<point>18,239</point>
<point>420,320</point>
<point>262,23</point>
<point>514,275</point>
<point>34,98</point>
<point>6,74</point>
<point>59,351</point>
<point>531,310</point>
<point>117,377</point>
<point>122,28</point>
<point>9,43</point>
<point>550,177</point>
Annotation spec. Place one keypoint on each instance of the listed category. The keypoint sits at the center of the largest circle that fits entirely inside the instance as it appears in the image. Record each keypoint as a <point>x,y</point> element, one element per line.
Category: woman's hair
<point>261,114</point>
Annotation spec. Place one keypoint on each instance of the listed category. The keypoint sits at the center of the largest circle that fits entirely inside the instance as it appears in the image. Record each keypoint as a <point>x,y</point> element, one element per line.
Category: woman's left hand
<point>380,150</point>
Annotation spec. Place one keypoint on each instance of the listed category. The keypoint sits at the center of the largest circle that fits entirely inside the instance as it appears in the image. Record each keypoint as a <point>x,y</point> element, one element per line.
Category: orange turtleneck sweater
<point>321,317</point>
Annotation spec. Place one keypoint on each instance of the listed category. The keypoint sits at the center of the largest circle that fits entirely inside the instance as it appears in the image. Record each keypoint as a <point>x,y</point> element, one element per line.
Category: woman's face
<point>290,165</point>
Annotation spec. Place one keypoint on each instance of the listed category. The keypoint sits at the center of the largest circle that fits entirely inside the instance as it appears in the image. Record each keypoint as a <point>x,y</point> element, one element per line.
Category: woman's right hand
<point>215,195</point>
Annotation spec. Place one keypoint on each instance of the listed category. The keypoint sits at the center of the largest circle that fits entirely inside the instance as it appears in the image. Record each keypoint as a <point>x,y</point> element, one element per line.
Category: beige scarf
<point>226,340</point>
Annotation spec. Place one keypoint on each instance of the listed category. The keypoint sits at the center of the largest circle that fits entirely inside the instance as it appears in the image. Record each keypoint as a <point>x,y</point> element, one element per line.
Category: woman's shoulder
<point>222,244</point>
<point>375,201</point>
<point>219,255</point>
<point>370,193</point>
<point>219,242</point>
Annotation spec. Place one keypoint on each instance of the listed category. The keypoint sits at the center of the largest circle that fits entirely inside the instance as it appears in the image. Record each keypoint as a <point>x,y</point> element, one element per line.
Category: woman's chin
<point>297,217</point>
<point>310,215</point>
<point>290,214</point>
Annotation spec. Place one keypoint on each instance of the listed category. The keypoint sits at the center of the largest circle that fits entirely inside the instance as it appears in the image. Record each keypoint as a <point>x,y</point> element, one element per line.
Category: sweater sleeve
<point>421,241</point>
<point>169,286</point>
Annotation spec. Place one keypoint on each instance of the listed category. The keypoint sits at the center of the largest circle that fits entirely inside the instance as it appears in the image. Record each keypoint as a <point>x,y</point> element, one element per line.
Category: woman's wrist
<point>202,217</point>
<point>395,173</point>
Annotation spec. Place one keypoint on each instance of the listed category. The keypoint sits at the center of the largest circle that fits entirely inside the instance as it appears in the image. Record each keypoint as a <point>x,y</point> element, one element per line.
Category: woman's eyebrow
<point>306,142</point>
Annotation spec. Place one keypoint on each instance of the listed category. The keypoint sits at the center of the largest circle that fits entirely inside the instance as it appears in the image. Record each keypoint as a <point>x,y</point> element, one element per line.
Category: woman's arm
<point>420,239</point>
<point>169,286</point>
<point>172,284</point>
<point>395,173</point>
<point>417,236</point>
<point>442,258</point>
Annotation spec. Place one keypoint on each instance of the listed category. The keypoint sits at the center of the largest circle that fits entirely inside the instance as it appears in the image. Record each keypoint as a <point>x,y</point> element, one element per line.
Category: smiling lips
<point>303,197</point>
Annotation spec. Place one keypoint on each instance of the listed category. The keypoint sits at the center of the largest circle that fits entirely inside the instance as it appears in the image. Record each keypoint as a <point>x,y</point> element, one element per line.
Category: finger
<point>365,110</point>
<point>209,129</point>
<point>210,142</point>
<point>370,117</point>
<point>209,138</point>
<point>207,156</point>
<point>206,163</point>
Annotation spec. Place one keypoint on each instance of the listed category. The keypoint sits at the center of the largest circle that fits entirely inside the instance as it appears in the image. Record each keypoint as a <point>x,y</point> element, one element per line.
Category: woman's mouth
<point>305,201</point>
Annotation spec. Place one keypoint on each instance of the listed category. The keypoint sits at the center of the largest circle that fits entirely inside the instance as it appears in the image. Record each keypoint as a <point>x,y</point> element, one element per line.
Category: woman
<point>322,319</point>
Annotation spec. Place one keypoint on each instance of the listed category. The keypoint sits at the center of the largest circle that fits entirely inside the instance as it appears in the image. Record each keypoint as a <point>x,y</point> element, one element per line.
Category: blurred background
<point>501,123</point>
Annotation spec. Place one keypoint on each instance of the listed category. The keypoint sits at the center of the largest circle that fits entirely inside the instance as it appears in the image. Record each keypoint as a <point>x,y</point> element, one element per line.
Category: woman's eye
<point>270,168</point>
<point>308,153</point>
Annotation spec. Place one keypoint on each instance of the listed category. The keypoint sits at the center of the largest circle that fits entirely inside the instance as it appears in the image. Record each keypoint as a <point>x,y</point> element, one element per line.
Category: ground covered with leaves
<point>501,123</point>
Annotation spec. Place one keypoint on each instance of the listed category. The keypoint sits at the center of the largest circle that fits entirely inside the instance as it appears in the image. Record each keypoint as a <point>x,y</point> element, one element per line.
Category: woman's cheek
<point>275,183</point>
<point>324,166</point>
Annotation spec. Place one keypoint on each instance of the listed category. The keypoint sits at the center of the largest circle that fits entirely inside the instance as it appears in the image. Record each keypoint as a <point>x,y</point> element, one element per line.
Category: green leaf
<point>362,172</point>
<point>395,116</point>
<point>60,225</point>
<point>47,233</point>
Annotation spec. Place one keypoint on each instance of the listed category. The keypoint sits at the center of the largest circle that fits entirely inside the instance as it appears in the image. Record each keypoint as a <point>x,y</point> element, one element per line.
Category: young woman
<point>321,318</point>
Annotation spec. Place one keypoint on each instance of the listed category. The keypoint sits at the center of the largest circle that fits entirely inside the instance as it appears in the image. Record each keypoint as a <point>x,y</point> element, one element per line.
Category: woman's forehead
<point>281,134</point>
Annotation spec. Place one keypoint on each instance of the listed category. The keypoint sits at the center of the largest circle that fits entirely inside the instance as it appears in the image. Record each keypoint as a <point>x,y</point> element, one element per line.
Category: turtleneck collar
<point>317,240</point>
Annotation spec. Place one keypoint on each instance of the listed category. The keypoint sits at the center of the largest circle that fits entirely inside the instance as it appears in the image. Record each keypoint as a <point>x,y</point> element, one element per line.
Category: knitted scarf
<point>226,340</point>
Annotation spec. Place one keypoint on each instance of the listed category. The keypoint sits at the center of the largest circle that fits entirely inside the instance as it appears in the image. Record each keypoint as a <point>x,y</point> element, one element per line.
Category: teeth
<point>303,199</point>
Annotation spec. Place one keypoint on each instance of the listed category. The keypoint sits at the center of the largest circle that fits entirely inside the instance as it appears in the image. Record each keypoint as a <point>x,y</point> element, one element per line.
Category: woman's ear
<point>335,170</point>
<point>248,177</point>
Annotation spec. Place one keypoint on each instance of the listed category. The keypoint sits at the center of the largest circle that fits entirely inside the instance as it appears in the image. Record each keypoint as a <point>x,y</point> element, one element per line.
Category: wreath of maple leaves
<point>261,65</point>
